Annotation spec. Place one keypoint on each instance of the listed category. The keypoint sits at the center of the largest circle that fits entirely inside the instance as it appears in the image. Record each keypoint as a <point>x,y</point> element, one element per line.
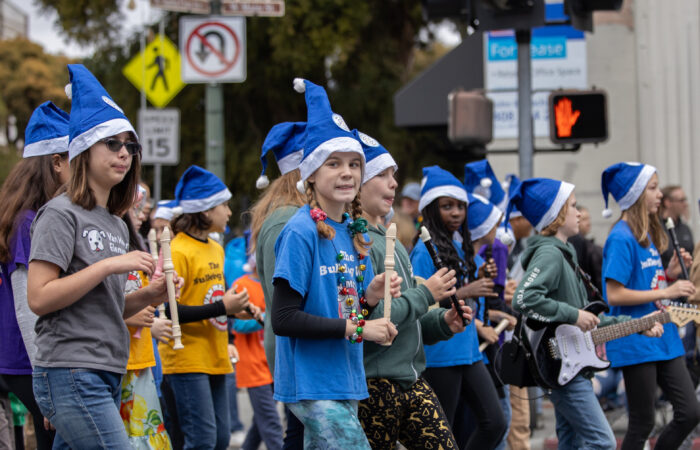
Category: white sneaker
<point>236,440</point>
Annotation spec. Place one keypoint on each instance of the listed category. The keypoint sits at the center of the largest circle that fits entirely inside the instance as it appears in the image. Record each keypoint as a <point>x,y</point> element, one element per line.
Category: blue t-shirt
<point>319,369</point>
<point>462,348</point>
<point>638,268</point>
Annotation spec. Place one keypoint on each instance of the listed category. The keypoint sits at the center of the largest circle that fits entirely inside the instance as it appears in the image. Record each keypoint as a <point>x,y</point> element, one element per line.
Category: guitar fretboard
<point>605,334</point>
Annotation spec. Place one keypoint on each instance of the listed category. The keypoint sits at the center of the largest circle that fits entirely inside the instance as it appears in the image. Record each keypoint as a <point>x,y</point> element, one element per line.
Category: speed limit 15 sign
<point>159,134</point>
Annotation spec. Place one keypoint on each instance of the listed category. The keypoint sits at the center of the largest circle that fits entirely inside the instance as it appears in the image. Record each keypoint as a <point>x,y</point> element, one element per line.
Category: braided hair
<point>442,238</point>
<point>327,232</point>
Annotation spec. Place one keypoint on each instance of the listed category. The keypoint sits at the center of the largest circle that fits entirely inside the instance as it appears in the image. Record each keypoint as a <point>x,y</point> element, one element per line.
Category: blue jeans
<point>266,421</point>
<point>235,422</point>
<point>581,423</point>
<point>83,405</point>
<point>507,413</point>
<point>202,409</point>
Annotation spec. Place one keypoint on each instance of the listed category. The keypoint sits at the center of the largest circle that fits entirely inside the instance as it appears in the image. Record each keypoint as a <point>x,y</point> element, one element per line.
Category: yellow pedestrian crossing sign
<point>156,70</point>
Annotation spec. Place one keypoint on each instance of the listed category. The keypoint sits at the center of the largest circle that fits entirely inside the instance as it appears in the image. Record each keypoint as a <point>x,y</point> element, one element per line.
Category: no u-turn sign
<point>213,49</point>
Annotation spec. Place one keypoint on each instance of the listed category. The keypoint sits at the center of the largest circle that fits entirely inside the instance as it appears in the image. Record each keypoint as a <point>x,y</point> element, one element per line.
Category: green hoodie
<point>404,360</point>
<point>550,290</point>
<point>265,262</point>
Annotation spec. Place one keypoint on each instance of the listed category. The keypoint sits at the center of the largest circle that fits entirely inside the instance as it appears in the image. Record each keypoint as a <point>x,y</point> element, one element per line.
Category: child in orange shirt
<point>252,371</point>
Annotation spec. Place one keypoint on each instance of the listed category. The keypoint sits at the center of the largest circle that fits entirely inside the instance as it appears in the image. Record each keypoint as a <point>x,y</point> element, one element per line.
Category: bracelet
<point>668,277</point>
<point>358,320</point>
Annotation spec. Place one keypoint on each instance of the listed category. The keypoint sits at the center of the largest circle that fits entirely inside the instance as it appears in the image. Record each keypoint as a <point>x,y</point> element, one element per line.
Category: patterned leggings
<point>413,417</point>
<point>330,424</point>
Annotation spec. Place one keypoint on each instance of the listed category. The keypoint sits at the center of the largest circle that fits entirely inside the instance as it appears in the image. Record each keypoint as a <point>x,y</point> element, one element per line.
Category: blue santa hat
<point>377,157</point>
<point>47,131</point>
<point>625,181</point>
<point>93,115</point>
<point>480,179</point>
<point>540,200</point>
<point>167,209</point>
<point>326,131</point>
<point>200,190</point>
<point>482,216</point>
<point>286,141</point>
<point>510,185</point>
<point>438,182</point>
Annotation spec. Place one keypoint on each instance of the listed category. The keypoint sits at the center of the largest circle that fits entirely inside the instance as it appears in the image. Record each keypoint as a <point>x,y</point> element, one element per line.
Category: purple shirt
<point>13,355</point>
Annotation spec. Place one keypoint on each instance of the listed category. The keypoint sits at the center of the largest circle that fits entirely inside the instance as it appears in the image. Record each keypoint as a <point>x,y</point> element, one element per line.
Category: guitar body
<point>562,351</point>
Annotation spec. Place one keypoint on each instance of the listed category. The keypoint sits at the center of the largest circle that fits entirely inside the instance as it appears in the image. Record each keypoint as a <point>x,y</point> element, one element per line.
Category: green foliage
<point>87,21</point>
<point>30,77</point>
<point>362,52</point>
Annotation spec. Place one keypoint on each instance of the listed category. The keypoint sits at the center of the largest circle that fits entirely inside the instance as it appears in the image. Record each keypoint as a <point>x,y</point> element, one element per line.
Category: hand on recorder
<point>483,287</point>
<point>488,270</point>
<point>381,331</point>
<point>128,262</point>
<point>375,290</point>
<point>162,329</point>
<point>681,288</point>
<point>453,319</point>
<point>486,332</point>
<point>674,268</point>
<point>441,284</point>
<point>235,302</point>
<point>496,316</point>
<point>143,318</point>
<point>252,312</point>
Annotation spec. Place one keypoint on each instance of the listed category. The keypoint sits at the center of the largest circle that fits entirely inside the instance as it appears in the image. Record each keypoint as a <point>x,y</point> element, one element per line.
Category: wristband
<point>358,320</point>
<point>669,278</point>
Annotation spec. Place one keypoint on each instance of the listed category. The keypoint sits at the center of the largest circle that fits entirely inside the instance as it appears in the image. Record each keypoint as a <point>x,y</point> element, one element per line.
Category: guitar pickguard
<point>576,351</point>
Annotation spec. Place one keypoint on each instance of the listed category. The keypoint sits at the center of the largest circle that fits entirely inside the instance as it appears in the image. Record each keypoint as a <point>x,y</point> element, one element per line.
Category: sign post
<point>213,53</point>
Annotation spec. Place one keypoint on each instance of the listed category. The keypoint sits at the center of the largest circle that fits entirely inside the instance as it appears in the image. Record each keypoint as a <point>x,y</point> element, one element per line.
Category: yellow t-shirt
<point>201,264</point>
<point>140,349</point>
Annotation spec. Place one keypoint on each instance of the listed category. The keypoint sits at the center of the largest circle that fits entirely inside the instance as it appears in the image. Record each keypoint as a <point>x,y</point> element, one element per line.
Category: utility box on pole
<point>470,118</point>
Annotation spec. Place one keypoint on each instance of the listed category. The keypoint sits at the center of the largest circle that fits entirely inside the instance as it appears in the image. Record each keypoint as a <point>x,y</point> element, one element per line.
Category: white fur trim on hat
<point>491,221</point>
<point>565,190</point>
<point>299,85</point>
<point>262,182</point>
<point>46,147</point>
<point>103,130</point>
<point>321,153</point>
<point>449,190</point>
<point>637,187</point>
<point>290,162</point>
<point>204,204</point>
<point>379,165</point>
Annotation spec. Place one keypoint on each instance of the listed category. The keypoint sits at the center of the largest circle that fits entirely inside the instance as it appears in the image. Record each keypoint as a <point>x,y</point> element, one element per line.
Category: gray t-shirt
<point>91,332</point>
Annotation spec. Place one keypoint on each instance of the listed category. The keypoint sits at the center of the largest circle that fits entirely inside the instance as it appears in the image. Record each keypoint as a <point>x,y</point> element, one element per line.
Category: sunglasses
<point>115,145</point>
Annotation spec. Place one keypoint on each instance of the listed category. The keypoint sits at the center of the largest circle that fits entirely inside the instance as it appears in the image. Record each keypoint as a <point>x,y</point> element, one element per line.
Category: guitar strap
<point>582,275</point>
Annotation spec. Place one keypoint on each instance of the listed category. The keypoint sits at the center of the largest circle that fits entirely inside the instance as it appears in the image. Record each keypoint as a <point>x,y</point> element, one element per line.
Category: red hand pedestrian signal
<point>565,117</point>
<point>578,117</point>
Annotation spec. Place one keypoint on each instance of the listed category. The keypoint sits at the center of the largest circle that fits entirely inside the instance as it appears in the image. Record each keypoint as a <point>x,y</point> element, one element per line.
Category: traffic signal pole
<point>215,120</point>
<point>525,138</point>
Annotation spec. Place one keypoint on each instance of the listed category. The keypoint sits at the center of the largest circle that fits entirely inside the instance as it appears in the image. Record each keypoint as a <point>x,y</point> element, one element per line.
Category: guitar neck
<point>605,334</point>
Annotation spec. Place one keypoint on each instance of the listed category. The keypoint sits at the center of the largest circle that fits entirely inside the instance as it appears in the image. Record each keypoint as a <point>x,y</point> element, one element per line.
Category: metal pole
<point>157,168</point>
<point>215,158</point>
<point>525,138</point>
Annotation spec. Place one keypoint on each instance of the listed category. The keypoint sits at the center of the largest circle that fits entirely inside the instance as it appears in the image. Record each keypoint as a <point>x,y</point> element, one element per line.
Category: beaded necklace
<point>357,318</point>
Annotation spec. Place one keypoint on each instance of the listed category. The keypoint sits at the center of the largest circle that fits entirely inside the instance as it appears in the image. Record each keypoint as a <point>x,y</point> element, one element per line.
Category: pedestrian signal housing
<point>578,117</point>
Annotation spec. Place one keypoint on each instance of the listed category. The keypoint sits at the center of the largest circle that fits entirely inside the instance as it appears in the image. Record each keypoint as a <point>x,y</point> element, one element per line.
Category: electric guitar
<point>561,351</point>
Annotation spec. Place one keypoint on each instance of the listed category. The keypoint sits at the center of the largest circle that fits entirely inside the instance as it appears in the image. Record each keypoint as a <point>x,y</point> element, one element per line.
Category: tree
<point>30,77</point>
<point>87,21</point>
<point>361,51</point>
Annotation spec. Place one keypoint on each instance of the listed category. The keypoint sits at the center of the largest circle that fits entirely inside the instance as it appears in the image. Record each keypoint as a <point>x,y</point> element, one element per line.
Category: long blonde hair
<point>643,224</point>
<point>326,231</point>
<point>281,192</point>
